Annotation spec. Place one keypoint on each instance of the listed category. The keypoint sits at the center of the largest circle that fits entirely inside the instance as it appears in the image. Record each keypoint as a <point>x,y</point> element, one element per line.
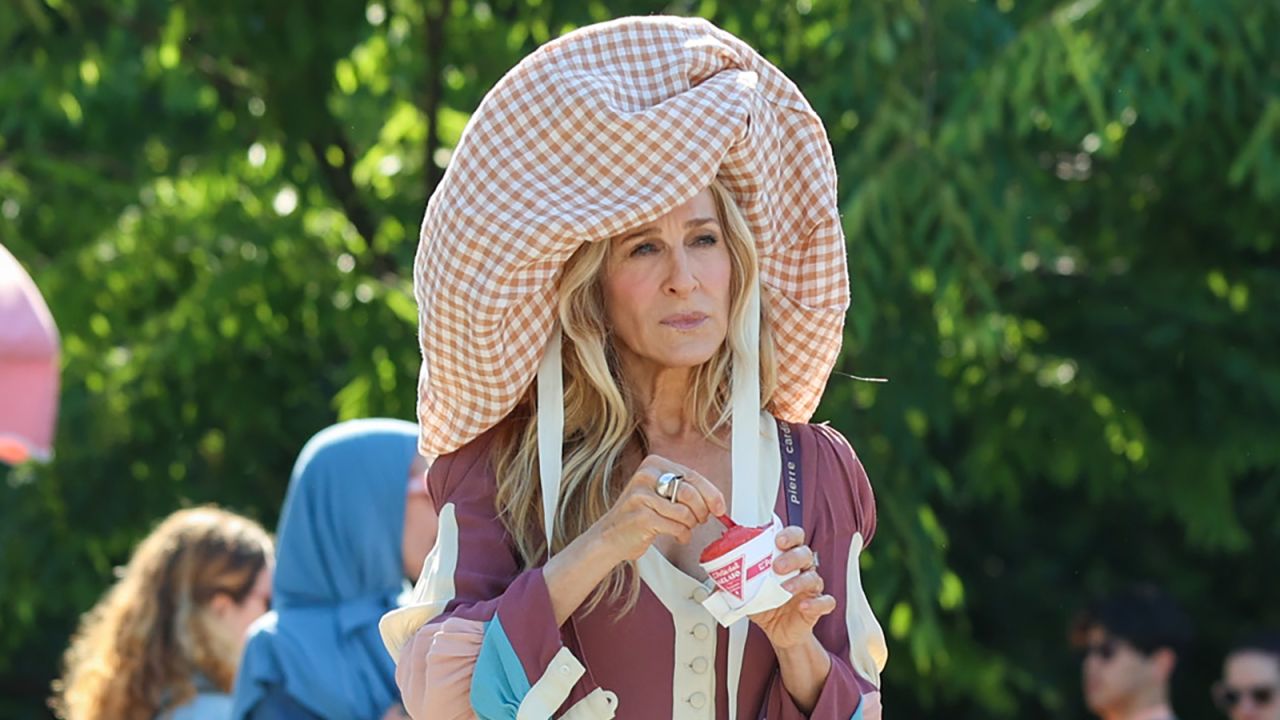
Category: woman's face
<point>666,288</point>
<point>420,521</point>
<point>235,618</point>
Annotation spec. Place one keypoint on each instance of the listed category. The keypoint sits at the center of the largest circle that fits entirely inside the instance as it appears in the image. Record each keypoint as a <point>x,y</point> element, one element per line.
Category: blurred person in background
<point>1131,642</point>
<point>1250,685</point>
<point>355,524</point>
<point>165,641</point>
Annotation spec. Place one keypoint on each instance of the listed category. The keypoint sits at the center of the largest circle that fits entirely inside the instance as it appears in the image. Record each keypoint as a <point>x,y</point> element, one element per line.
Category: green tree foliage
<point>1063,246</point>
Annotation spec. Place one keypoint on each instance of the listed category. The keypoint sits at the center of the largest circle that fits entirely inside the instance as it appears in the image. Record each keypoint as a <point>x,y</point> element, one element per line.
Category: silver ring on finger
<point>669,485</point>
<point>814,566</point>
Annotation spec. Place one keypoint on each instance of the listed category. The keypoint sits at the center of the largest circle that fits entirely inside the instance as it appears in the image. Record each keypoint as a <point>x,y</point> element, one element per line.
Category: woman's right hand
<point>641,515</point>
<point>625,532</point>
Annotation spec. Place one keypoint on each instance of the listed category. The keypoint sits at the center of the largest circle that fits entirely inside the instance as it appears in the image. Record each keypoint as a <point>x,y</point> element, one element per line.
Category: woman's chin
<point>683,360</point>
<point>672,353</point>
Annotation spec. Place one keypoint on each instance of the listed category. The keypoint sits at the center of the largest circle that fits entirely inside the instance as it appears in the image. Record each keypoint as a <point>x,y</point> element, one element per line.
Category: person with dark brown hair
<point>1132,642</point>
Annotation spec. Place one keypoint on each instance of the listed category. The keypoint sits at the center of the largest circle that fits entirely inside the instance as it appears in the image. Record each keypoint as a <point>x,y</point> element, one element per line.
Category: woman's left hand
<point>791,625</point>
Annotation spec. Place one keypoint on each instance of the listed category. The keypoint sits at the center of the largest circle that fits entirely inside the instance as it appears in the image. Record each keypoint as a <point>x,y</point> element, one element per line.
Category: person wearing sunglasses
<point>1131,643</point>
<point>1250,685</point>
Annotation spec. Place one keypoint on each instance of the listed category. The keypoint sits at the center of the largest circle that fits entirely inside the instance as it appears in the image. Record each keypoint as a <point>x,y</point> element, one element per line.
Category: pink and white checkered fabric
<point>601,130</point>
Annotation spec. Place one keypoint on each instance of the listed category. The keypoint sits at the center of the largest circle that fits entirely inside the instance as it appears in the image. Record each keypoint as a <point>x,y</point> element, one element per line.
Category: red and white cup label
<point>742,571</point>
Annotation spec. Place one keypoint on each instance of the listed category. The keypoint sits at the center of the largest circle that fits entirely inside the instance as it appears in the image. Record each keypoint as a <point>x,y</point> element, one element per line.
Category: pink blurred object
<point>28,367</point>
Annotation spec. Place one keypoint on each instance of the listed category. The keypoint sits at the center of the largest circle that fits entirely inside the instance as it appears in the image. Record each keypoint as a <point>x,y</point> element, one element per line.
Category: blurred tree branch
<point>434,28</point>
<point>342,186</point>
<point>230,82</point>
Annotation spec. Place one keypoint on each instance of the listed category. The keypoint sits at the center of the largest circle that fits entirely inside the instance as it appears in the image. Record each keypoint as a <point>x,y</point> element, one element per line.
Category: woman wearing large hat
<point>632,288</point>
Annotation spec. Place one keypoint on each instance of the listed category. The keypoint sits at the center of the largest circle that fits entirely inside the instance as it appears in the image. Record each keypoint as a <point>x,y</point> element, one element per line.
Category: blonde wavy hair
<point>138,650</point>
<point>601,415</point>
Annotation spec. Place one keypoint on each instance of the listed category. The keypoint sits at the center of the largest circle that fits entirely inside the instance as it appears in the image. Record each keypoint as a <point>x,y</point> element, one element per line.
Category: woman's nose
<point>680,278</point>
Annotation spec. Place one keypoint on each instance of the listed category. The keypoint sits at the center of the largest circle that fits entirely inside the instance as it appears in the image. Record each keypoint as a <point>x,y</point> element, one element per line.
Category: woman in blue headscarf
<point>350,532</point>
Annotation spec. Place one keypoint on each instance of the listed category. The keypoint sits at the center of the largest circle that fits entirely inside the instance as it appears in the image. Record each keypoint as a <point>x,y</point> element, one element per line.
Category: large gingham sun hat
<point>604,129</point>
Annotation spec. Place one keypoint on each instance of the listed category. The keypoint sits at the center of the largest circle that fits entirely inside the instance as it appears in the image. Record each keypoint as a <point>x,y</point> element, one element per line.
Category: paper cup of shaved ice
<point>739,562</point>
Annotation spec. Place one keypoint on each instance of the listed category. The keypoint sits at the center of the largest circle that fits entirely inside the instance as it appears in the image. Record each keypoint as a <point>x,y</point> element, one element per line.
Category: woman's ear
<point>1166,660</point>
<point>221,605</point>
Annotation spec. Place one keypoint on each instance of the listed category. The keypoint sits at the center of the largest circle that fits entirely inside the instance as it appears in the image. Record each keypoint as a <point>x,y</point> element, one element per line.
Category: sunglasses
<point>1104,650</point>
<point>1229,697</point>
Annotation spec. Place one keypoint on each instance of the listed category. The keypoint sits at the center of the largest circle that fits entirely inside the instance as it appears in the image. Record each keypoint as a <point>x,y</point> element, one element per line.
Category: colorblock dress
<point>492,649</point>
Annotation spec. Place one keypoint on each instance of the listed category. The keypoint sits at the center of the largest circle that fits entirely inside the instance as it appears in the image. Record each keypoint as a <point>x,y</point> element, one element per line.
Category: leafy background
<point>1063,242</point>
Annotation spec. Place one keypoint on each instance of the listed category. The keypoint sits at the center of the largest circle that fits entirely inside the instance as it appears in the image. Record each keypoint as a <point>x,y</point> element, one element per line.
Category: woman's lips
<point>684,321</point>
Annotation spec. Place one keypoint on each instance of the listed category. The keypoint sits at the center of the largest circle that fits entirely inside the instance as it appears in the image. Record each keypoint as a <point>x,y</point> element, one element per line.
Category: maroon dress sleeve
<point>496,645</point>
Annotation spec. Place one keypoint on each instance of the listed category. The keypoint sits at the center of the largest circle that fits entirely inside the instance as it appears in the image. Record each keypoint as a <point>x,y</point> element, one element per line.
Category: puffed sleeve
<point>479,638</point>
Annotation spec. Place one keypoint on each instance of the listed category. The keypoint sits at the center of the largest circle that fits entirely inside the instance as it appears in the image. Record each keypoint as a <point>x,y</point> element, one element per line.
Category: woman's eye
<point>646,248</point>
<point>705,240</point>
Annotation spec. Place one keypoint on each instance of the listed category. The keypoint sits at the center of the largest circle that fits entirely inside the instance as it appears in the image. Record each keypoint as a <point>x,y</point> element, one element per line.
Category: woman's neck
<point>662,395</point>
